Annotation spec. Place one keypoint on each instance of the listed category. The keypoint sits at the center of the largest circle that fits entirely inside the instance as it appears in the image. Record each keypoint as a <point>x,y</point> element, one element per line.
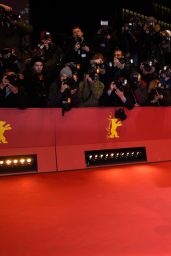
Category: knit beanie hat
<point>66,71</point>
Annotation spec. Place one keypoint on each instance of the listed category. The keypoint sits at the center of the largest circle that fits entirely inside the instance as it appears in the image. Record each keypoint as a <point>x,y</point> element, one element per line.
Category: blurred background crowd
<point>123,61</point>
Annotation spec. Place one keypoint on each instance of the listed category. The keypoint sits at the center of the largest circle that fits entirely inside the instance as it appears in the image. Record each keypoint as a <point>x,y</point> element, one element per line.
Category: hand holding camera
<point>85,48</point>
<point>77,46</point>
<point>64,86</point>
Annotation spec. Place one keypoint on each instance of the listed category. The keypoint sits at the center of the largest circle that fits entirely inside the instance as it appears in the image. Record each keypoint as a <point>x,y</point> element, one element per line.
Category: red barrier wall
<point>85,129</point>
<point>60,141</point>
<point>33,132</point>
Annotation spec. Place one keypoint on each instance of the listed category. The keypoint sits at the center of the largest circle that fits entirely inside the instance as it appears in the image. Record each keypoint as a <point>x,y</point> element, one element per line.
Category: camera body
<point>121,83</point>
<point>80,41</point>
<point>9,19</point>
<point>93,74</point>
<point>70,82</point>
<point>148,65</point>
<point>13,79</point>
<point>160,88</point>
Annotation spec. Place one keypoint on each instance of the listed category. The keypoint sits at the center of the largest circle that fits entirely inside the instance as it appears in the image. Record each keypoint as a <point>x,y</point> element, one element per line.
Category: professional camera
<point>151,26</point>
<point>165,72</point>
<point>97,66</point>
<point>132,25</point>
<point>160,88</point>
<point>9,19</point>
<point>70,82</point>
<point>80,41</point>
<point>6,53</point>
<point>94,73</point>
<point>66,103</point>
<point>165,35</point>
<point>127,60</point>
<point>128,27</point>
<point>135,79</point>
<point>9,60</point>
<point>75,67</point>
<point>45,35</point>
<point>13,79</point>
<point>148,65</point>
<point>121,83</point>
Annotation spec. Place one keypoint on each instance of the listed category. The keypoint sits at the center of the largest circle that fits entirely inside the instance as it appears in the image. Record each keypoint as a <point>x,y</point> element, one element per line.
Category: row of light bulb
<point>16,161</point>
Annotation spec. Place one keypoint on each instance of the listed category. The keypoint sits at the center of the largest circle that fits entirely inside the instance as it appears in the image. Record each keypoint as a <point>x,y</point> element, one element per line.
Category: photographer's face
<point>118,54</point>
<point>46,41</point>
<point>38,67</point>
<point>63,77</point>
<point>76,32</point>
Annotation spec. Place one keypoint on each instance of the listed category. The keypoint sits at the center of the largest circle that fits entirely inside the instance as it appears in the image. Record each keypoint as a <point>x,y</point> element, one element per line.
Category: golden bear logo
<point>4,127</point>
<point>114,123</point>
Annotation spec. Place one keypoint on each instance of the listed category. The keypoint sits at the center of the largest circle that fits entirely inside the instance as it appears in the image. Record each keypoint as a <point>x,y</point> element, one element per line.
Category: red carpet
<point>106,212</point>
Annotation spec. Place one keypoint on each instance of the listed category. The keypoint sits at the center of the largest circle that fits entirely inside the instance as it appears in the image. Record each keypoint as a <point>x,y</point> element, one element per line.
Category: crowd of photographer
<point>130,69</point>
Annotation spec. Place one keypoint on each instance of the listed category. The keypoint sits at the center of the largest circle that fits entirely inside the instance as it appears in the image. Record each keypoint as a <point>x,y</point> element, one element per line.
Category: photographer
<point>104,40</point>
<point>148,70</point>
<point>138,88</point>
<point>9,60</point>
<point>79,51</point>
<point>63,91</point>
<point>132,38</point>
<point>117,94</point>
<point>13,31</point>
<point>90,89</point>
<point>12,94</point>
<point>151,38</point>
<point>49,52</point>
<point>158,94</point>
<point>37,83</point>
<point>99,65</point>
<point>119,66</point>
<point>165,47</point>
<point>165,76</point>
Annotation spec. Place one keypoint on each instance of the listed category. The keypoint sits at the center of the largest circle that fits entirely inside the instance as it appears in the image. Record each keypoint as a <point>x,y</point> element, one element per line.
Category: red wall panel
<point>60,141</point>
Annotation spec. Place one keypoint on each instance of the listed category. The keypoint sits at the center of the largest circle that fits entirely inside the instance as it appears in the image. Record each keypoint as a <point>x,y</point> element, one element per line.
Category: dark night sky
<point>87,14</point>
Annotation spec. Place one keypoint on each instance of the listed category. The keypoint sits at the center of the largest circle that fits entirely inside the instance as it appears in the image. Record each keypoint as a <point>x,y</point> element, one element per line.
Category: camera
<point>160,88</point>
<point>93,74</point>
<point>75,67</point>
<point>9,60</point>
<point>148,65</point>
<point>129,27</point>
<point>126,60</point>
<point>6,53</point>
<point>96,65</point>
<point>47,35</point>
<point>80,41</point>
<point>9,19</point>
<point>165,72</point>
<point>70,82</point>
<point>13,79</point>
<point>66,105</point>
<point>121,83</point>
